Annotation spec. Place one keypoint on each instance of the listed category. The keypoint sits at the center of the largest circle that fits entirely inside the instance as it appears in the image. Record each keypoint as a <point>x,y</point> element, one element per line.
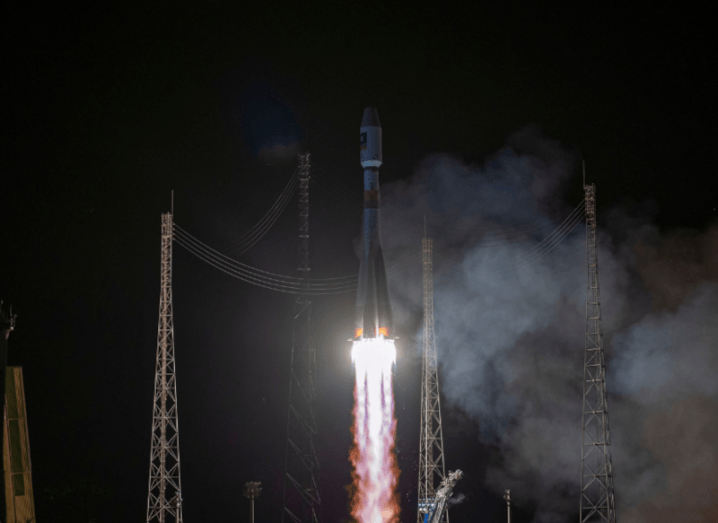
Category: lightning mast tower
<point>431,450</point>
<point>597,501</point>
<point>164,501</point>
<point>301,501</point>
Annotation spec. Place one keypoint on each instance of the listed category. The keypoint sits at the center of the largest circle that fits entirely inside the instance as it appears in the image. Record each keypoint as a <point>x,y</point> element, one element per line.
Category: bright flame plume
<point>375,471</point>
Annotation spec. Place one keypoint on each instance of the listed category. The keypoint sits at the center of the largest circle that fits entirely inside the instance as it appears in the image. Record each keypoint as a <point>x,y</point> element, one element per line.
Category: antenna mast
<point>164,501</point>
<point>431,453</point>
<point>301,501</point>
<point>597,501</point>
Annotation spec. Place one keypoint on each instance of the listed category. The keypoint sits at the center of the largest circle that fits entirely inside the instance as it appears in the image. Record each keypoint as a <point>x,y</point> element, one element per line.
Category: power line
<point>183,235</point>
<point>265,284</point>
<point>283,283</point>
<point>290,284</point>
<point>256,233</point>
<point>497,235</point>
<point>552,240</point>
<point>546,249</point>
<point>259,277</point>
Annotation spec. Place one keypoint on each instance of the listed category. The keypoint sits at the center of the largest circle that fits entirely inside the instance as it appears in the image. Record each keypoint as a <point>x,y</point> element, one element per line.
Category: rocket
<point>373,310</point>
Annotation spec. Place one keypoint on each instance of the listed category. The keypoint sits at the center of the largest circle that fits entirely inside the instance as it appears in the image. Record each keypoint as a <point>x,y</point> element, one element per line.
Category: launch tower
<point>597,502</point>
<point>431,453</point>
<point>164,501</point>
<point>301,501</point>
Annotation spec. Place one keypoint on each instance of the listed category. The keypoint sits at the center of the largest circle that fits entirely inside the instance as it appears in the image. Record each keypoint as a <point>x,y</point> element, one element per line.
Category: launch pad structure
<point>164,500</point>
<point>432,470</point>
<point>597,496</point>
<point>301,501</point>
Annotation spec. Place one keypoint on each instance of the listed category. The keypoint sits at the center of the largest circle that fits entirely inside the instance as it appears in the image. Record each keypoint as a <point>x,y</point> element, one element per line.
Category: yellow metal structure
<point>16,454</point>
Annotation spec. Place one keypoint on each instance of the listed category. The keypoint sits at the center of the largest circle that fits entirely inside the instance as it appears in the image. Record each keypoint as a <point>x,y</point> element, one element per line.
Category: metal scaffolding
<point>431,452</point>
<point>301,501</point>
<point>446,488</point>
<point>597,501</point>
<point>164,501</point>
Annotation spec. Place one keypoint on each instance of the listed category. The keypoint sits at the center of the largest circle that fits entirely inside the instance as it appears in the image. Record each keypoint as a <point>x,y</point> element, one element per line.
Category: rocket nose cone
<point>371,118</point>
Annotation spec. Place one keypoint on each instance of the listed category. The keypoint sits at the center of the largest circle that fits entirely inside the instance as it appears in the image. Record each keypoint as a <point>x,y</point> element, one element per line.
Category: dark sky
<point>107,109</point>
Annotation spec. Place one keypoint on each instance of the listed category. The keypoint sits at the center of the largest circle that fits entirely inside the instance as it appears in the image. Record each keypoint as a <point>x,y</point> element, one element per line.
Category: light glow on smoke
<point>375,472</point>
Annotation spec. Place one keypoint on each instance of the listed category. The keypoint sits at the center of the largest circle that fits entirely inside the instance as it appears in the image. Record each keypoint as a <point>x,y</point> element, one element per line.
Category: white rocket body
<point>373,307</point>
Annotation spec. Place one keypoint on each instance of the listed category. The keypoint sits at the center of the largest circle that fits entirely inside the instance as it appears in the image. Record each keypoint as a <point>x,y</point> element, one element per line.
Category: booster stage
<point>373,308</point>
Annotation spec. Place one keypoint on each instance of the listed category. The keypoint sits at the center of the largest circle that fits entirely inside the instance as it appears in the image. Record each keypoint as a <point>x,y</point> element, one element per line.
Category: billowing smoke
<point>456,500</point>
<point>510,330</point>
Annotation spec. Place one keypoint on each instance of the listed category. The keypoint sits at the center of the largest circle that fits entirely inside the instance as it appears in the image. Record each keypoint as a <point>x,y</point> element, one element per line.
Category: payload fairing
<point>373,307</point>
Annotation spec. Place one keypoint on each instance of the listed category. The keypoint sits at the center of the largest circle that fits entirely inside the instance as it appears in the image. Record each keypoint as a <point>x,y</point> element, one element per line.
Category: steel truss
<point>431,450</point>
<point>597,500</point>
<point>164,502</point>
<point>301,501</point>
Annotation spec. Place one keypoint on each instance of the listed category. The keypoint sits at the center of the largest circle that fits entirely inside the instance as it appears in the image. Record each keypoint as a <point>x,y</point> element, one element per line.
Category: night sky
<point>107,109</point>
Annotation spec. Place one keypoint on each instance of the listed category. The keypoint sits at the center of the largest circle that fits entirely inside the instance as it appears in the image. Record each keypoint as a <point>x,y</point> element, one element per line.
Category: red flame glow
<point>375,471</point>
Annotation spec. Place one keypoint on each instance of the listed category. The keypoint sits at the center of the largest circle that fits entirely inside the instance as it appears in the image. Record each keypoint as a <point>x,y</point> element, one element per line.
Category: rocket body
<point>373,308</point>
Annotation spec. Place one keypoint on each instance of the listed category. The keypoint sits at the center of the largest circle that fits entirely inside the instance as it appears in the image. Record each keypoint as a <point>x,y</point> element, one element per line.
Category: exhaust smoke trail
<point>375,471</point>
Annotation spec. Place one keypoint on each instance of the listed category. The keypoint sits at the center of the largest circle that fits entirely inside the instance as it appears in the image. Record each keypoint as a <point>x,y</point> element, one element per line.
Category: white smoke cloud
<point>456,500</point>
<point>511,339</point>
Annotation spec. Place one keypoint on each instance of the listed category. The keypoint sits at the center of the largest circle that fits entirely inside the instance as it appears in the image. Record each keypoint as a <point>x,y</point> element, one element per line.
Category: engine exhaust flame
<point>375,471</point>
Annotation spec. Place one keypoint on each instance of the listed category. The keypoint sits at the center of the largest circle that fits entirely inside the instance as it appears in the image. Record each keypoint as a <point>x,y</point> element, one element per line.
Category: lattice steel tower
<point>431,449</point>
<point>164,501</point>
<point>301,501</point>
<point>597,501</point>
